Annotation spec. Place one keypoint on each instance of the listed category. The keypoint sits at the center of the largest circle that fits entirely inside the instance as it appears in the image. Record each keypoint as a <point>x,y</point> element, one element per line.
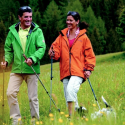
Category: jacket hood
<point>16,27</point>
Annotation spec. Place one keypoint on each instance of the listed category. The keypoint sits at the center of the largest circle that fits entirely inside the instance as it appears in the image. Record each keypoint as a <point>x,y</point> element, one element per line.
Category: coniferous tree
<point>5,8</point>
<point>2,32</point>
<point>11,19</point>
<point>37,18</point>
<point>85,4</point>
<point>51,25</point>
<point>42,5</point>
<point>96,25</point>
<point>102,32</point>
<point>112,44</point>
<point>90,18</point>
<point>101,26</point>
<point>121,29</point>
<point>23,2</point>
<point>52,22</point>
<point>61,3</point>
<point>34,5</point>
<point>96,42</point>
<point>74,6</point>
<point>95,5</point>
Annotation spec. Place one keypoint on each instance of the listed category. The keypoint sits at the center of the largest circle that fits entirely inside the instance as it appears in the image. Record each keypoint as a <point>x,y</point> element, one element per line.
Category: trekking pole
<point>3,81</point>
<point>41,83</point>
<point>51,82</point>
<point>3,92</point>
<point>94,93</point>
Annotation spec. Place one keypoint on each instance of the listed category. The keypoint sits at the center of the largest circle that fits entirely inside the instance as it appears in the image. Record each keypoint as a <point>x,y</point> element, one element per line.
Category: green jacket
<point>35,49</point>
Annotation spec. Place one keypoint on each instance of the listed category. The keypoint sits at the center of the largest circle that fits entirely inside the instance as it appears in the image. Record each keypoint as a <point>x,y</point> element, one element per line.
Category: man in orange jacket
<point>76,55</point>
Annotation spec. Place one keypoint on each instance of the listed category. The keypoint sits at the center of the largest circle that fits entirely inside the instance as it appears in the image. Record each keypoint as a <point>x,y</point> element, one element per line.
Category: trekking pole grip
<point>24,56</point>
<point>3,59</point>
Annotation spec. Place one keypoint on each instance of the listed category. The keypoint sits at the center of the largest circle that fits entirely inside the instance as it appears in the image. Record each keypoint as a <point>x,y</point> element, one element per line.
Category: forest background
<point>106,19</point>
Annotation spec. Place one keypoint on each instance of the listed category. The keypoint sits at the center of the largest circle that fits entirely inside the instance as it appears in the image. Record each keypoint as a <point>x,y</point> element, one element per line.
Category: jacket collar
<point>65,31</point>
<point>32,27</point>
<point>15,28</point>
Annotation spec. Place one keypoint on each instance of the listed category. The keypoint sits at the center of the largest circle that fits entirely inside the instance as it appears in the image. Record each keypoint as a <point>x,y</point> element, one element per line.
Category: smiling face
<point>26,20</point>
<point>71,23</point>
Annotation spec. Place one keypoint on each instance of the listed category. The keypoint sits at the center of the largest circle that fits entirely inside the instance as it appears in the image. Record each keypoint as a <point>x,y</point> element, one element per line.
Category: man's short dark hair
<point>24,9</point>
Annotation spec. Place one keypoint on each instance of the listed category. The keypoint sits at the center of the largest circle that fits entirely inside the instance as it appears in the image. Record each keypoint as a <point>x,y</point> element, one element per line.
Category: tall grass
<point>107,80</point>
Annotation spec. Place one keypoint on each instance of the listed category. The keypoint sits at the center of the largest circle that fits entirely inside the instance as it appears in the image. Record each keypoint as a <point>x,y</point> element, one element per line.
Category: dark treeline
<point>106,19</point>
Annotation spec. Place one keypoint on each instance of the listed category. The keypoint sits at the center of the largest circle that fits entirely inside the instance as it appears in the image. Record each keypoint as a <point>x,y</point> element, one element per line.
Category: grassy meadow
<point>107,80</point>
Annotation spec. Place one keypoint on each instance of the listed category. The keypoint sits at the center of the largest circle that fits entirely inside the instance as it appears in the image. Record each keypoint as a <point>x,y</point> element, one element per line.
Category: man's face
<point>26,20</point>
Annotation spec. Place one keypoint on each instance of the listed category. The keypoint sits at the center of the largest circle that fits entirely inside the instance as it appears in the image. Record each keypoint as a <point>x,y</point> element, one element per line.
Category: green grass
<point>107,80</point>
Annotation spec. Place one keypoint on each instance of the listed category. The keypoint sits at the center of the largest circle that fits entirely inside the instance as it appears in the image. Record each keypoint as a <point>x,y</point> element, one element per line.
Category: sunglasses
<point>72,13</point>
<point>25,8</point>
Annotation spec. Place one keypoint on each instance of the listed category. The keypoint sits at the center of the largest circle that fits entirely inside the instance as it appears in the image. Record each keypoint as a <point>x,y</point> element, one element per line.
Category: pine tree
<point>101,26</point>
<point>42,5</point>
<point>90,18</point>
<point>23,2</point>
<point>11,19</point>
<point>85,4</point>
<point>34,5</point>
<point>52,22</point>
<point>74,6</point>
<point>37,18</point>
<point>7,6</point>
<point>95,4</point>
<point>51,25</point>
<point>96,25</point>
<point>112,44</point>
<point>2,32</point>
<point>61,3</point>
<point>121,28</point>
<point>97,42</point>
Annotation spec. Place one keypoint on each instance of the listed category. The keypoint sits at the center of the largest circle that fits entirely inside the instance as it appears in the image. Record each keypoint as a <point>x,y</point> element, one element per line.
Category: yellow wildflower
<point>37,123</point>
<point>67,116</point>
<point>19,119</point>
<point>61,113</point>
<point>86,119</point>
<point>52,119</point>
<point>60,120</point>
<point>71,123</point>
<point>101,112</point>
<point>50,115</point>
<point>41,122</point>
<point>94,105</point>
<point>11,117</point>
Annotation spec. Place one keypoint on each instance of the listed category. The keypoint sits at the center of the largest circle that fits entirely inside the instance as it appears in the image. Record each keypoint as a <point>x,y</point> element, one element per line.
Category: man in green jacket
<point>26,38</point>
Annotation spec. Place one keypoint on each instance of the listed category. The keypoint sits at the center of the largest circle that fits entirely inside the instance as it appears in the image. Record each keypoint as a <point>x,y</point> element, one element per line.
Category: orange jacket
<point>74,60</point>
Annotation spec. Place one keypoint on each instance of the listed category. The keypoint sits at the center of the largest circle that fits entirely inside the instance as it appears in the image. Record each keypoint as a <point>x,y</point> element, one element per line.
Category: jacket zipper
<point>70,61</point>
<point>21,61</point>
<point>69,58</point>
<point>76,39</point>
<point>71,53</point>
